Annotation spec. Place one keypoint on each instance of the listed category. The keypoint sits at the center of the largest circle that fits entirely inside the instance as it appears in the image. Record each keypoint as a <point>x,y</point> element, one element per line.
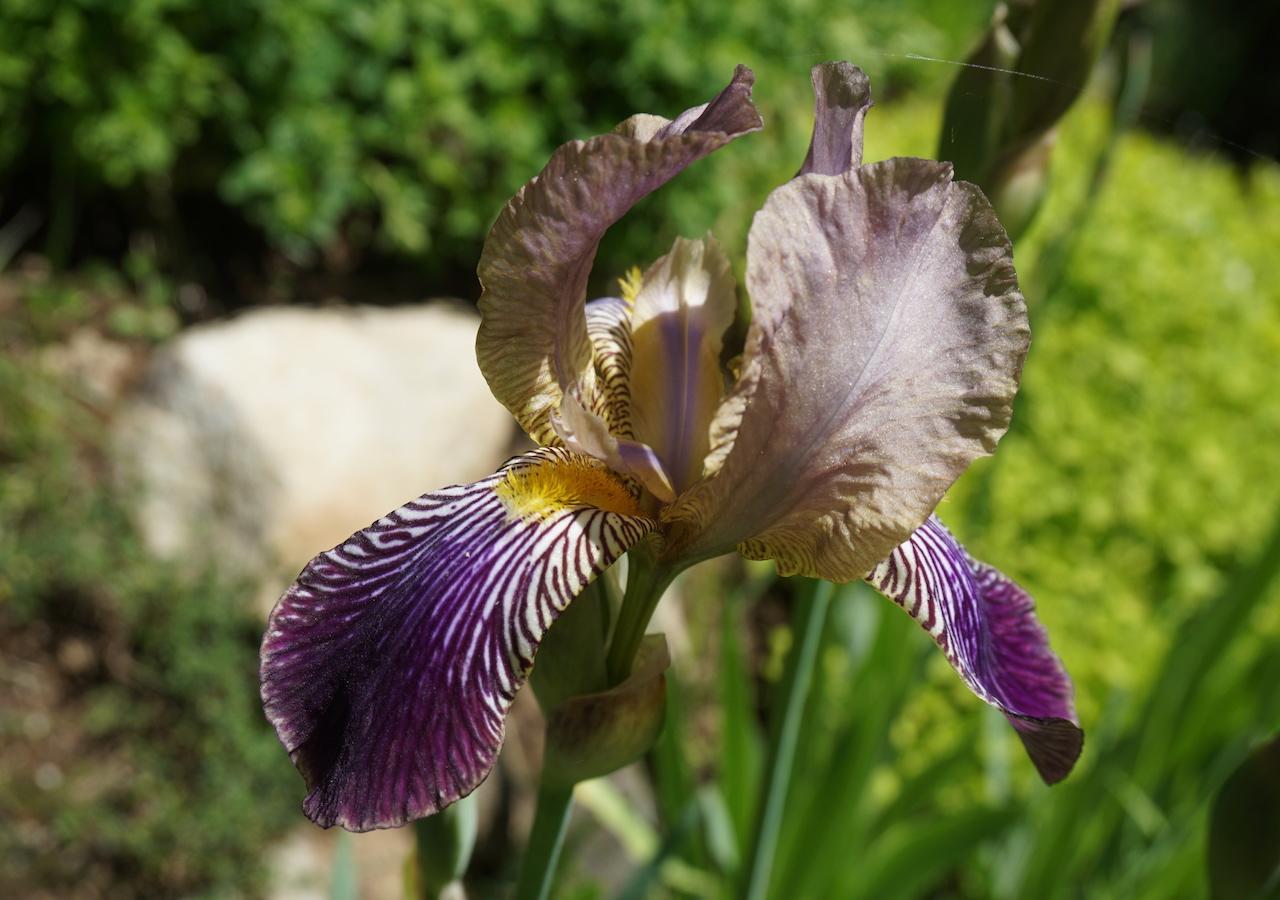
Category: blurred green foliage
<point>392,127</point>
<point>998,123</point>
<point>134,757</point>
<point>1136,472</point>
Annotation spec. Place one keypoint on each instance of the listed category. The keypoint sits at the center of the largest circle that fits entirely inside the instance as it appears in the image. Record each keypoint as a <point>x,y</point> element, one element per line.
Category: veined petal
<point>388,667</point>
<point>686,302</point>
<point>986,626</point>
<point>609,329</point>
<point>842,96</point>
<point>885,350</point>
<point>533,345</point>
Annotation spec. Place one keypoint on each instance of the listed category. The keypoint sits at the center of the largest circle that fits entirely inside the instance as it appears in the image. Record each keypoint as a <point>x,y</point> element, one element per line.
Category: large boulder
<point>256,443</point>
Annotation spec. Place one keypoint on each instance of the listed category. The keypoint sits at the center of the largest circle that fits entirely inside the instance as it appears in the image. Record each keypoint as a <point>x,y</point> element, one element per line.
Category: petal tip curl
<point>986,626</point>
<point>532,345</point>
<point>842,96</point>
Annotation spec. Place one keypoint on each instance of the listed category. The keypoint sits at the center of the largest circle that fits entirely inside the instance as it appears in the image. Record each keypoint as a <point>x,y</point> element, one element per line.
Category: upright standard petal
<point>842,96</point>
<point>986,626</point>
<point>388,667</point>
<point>685,303</point>
<point>885,350</point>
<point>533,344</point>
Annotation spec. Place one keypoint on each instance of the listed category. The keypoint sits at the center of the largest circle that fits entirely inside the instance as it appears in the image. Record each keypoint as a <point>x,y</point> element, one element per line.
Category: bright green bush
<point>1138,469</point>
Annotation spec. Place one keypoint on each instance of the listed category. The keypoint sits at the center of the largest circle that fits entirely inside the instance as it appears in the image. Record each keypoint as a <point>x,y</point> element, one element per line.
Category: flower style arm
<point>986,626</point>
<point>388,667</point>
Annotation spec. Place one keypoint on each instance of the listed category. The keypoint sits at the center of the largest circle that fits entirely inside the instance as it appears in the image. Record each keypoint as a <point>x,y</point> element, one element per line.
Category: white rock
<point>259,442</point>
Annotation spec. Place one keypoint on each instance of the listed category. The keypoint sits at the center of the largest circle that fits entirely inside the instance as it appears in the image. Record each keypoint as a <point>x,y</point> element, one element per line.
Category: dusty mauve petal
<point>986,626</point>
<point>533,344</point>
<point>388,667</point>
<point>842,96</point>
<point>885,350</point>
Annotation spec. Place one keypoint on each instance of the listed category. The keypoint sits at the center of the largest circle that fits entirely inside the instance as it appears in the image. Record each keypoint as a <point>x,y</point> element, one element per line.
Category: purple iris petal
<point>986,626</point>
<point>389,665</point>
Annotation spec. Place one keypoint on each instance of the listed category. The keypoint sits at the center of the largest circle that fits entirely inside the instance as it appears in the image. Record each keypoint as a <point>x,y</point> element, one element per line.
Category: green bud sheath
<point>590,735</point>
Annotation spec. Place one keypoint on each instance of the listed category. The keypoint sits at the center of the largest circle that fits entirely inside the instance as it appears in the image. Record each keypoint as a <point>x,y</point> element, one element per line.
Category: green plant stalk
<point>646,582</point>
<point>810,619</point>
<point>546,839</point>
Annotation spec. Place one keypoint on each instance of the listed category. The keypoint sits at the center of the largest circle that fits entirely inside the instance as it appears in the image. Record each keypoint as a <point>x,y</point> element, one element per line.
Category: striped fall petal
<point>986,626</point>
<point>389,666</point>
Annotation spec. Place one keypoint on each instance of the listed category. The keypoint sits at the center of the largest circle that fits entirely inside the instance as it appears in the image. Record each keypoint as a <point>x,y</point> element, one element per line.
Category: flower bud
<point>1032,65</point>
<point>571,659</point>
<point>590,735</point>
<point>1019,183</point>
<point>442,850</point>
<point>978,102</point>
<point>1060,45</point>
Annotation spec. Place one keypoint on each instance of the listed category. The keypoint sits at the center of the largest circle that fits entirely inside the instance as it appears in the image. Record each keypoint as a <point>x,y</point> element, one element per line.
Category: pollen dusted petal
<point>533,343</point>
<point>986,626</point>
<point>587,433</point>
<point>883,357</point>
<point>388,667</point>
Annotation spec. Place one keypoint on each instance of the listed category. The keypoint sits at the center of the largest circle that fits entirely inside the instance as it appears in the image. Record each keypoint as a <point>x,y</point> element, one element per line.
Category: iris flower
<point>885,346</point>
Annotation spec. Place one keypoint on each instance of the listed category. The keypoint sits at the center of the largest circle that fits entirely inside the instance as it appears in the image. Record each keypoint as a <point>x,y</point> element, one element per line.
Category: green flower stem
<point>810,616</point>
<point>646,582</point>
<point>538,868</point>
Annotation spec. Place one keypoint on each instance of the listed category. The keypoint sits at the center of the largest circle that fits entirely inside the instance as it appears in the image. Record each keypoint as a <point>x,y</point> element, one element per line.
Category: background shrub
<point>333,133</point>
